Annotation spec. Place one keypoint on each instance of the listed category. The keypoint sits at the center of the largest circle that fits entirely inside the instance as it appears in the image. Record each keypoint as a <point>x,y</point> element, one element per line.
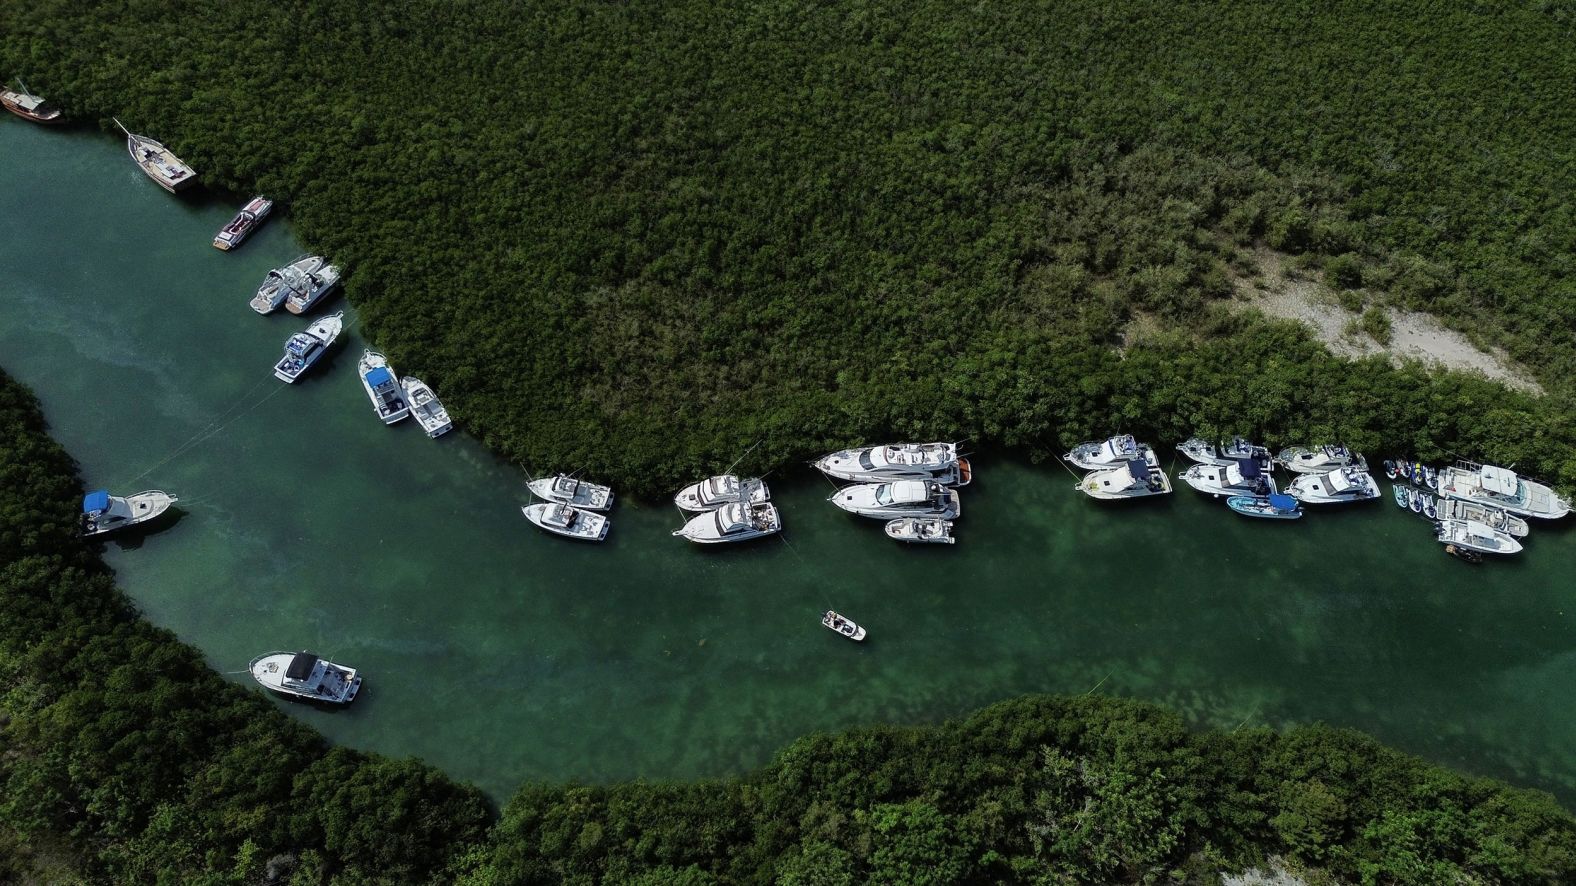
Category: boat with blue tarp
<point>1274,506</point>
<point>387,397</point>
<point>102,512</point>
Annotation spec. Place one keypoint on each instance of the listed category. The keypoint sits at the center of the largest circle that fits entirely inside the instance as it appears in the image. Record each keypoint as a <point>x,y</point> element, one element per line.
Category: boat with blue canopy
<point>383,389</point>
<point>102,512</point>
<point>305,348</point>
<point>1135,478</point>
<point>1273,507</point>
<point>1245,476</point>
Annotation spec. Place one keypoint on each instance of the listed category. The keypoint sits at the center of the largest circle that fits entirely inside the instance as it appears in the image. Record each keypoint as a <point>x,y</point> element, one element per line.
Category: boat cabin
<point>904,492</point>
<point>99,509</point>
<point>561,516</point>
<point>310,675</point>
<point>387,390</point>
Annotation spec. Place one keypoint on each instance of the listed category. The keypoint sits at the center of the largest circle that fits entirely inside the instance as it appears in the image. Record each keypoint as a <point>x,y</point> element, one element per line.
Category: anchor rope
<point>207,434</point>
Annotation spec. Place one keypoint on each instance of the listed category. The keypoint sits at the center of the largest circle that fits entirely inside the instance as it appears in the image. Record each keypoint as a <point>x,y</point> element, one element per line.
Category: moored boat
<point>1135,479</point>
<point>1475,536</point>
<point>102,512</point>
<point>28,106</point>
<point>377,377</point>
<point>714,492</point>
<point>1246,476</point>
<point>1204,452</point>
<point>899,461</point>
<point>282,282</point>
<point>921,530</point>
<point>1338,486</point>
<point>158,162</point>
<point>319,284</point>
<point>1493,517</point>
<point>902,498</point>
<point>305,676</point>
<point>424,404</point>
<point>1501,488</point>
<point>1403,496</point>
<point>305,348</point>
<point>733,522</point>
<point>567,521</point>
<point>1430,509</point>
<point>245,221</point>
<point>1390,470</point>
<point>1273,507</point>
<point>1109,453</point>
<point>843,626</point>
<point>1319,459</point>
<point>567,490</point>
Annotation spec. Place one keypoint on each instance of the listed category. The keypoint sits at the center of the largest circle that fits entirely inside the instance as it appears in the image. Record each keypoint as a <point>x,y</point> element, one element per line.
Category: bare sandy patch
<point>1280,293</point>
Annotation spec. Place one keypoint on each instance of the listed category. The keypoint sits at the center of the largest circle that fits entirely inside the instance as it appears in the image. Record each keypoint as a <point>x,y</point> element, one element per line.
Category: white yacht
<point>1340,485</point>
<point>902,498</point>
<point>305,348</point>
<point>735,521</point>
<point>1489,515</point>
<point>714,492</point>
<point>102,512</point>
<point>282,282</point>
<point>1136,478</point>
<point>1501,488</point>
<point>387,397</point>
<point>921,530</point>
<point>319,284</point>
<point>306,676</point>
<point>1206,453</point>
<point>430,414</point>
<point>568,521</point>
<point>1319,459</point>
<point>1245,476</point>
<point>1111,453</point>
<point>1475,536</point>
<point>566,490</point>
<point>901,461</point>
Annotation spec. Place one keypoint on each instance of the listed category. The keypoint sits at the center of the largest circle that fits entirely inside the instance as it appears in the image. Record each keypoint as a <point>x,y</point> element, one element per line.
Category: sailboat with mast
<point>28,106</point>
<point>159,163</point>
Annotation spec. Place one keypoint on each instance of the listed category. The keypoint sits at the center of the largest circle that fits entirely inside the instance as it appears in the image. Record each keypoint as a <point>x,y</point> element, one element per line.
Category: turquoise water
<point>503,655</point>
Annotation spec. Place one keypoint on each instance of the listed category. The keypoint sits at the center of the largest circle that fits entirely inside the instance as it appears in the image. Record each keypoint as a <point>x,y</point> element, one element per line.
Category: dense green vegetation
<point>639,236</point>
<point>125,759</point>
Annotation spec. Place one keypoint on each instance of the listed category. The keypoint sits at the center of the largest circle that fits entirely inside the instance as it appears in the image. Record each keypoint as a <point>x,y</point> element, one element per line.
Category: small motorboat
<point>566,490</point>
<point>714,492</point>
<point>736,521</point>
<point>1463,554</point>
<point>1475,536</point>
<point>28,106</point>
<point>282,282</point>
<point>1113,452</point>
<point>102,512</point>
<point>1497,518</point>
<point>1390,470</point>
<point>921,530</point>
<point>158,162</point>
<point>319,284</point>
<point>306,348</point>
<point>1273,507</point>
<point>566,520</point>
<point>1319,459</point>
<point>430,414</point>
<point>900,461</point>
<point>387,397</point>
<point>1204,452</point>
<point>1403,496</point>
<point>903,498</point>
<point>1429,509</point>
<point>305,676</point>
<point>245,221</point>
<point>843,626</point>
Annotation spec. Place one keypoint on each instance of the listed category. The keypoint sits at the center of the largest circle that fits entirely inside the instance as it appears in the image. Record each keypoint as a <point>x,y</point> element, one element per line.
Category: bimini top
<point>95,501</point>
<point>910,491</point>
<point>379,375</point>
<point>301,665</point>
<point>1499,480</point>
<point>299,344</point>
<point>1138,468</point>
<point>1283,502</point>
<point>1249,468</point>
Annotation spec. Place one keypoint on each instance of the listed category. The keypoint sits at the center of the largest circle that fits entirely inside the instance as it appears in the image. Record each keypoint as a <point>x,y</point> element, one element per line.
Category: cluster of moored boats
<point>1475,509</point>
<point>912,486</point>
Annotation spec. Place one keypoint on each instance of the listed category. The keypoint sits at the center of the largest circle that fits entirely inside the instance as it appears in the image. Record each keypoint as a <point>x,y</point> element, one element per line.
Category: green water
<point>502,655</point>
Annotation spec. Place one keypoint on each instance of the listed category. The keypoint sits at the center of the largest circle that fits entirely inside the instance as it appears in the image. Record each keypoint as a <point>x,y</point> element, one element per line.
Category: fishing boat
<point>566,520</point>
<point>28,106</point>
<point>282,282</point>
<point>1245,476</point>
<point>843,626</point>
<point>1342,485</point>
<point>1494,517</point>
<point>305,676</point>
<point>903,498</point>
<point>102,512</point>
<point>1475,536</point>
<point>245,221</point>
<point>900,461</point>
<point>1319,459</point>
<point>1110,453</point>
<point>566,490</point>
<point>1273,507</point>
<point>1463,554</point>
<point>921,530</point>
<point>1403,496</point>
<point>1137,478</point>
<point>1501,488</point>
<point>319,284</point>
<point>735,521</point>
<point>714,492</point>
<point>1203,452</point>
<point>1390,470</point>
<point>388,398</point>
<point>306,348</point>
<point>424,404</point>
<point>158,162</point>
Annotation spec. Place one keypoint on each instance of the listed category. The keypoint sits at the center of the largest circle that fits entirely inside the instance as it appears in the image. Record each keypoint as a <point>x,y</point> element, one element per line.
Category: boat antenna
<point>729,469</point>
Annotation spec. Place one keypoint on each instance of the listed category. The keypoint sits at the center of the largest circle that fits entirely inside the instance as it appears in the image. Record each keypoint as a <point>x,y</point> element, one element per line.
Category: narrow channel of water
<point>502,655</point>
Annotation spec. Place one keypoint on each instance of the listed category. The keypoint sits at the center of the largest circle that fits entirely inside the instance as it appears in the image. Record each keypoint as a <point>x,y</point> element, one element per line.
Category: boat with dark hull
<point>28,106</point>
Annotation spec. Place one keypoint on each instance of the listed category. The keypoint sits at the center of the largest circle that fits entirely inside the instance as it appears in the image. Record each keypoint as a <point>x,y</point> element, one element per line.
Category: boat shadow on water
<point>133,537</point>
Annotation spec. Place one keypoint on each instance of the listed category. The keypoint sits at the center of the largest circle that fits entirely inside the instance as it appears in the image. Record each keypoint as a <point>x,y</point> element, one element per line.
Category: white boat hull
<point>1115,484</point>
<point>328,683</point>
<point>900,461</point>
<point>132,510</point>
<point>326,331</point>
<point>425,406</point>
<point>865,500</point>
<point>731,523</point>
<point>1313,489</point>
<point>583,495</point>
<point>921,531</point>
<point>714,492</point>
<point>587,526</point>
<point>1212,479</point>
<point>388,399</point>
<point>1476,537</point>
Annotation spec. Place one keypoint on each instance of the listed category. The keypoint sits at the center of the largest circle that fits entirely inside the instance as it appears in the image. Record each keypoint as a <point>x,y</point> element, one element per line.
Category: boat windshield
<point>884,494</point>
<point>865,461</point>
